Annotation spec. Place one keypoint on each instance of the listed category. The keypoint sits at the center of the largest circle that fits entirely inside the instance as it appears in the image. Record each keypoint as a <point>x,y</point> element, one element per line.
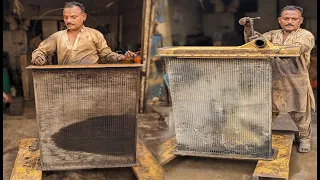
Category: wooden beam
<point>146,15</point>
<point>27,165</point>
<point>149,167</point>
<point>149,58</point>
<point>166,151</point>
<point>277,168</point>
<point>27,162</point>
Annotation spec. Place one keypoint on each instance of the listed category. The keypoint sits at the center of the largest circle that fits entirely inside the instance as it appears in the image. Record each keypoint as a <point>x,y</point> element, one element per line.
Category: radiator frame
<point>247,51</point>
<point>91,67</point>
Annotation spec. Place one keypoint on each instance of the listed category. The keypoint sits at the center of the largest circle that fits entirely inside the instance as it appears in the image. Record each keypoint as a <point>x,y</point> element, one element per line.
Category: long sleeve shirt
<point>291,85</point>
<point>89,47</point>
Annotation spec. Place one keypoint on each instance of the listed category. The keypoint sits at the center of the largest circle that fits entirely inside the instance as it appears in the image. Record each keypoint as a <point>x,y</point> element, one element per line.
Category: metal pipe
<point>260,42</point>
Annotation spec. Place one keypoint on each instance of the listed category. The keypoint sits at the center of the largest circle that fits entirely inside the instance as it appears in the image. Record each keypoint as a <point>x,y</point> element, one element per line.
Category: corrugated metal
<point>86,115</point>
<point>222,107</point>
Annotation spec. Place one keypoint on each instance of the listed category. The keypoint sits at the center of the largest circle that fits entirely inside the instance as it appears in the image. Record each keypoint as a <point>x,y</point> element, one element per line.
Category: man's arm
<point>45,49</point>
<point>106,54</point>
<point>104,51</point>
<point>248,35</point>
<point>305,41</point>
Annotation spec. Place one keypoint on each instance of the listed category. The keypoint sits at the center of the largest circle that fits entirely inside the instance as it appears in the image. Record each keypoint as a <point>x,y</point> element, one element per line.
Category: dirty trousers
<point>302,121</point>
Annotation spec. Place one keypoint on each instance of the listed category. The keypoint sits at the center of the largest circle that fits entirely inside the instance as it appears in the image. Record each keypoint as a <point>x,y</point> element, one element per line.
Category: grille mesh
<point>222,106</point>
<point>86,117</point>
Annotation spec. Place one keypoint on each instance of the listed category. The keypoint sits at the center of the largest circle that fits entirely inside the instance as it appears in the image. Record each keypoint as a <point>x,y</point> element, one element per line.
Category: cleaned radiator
<point>86,115</point>
<point>222,100</point>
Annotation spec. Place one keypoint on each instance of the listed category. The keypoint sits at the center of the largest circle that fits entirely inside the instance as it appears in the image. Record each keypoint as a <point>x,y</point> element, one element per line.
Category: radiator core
<point>86,115</point>
<point>222,106</point>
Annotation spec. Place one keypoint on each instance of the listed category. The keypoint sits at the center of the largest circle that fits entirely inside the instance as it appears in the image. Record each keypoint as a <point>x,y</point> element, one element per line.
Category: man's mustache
<point>289,25</point>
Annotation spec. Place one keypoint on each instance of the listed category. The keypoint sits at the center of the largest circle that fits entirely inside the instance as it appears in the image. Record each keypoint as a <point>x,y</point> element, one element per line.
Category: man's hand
<point>256,36</point>
<point>245,21</point>
<point>128,55</point>
<point>39,61</point>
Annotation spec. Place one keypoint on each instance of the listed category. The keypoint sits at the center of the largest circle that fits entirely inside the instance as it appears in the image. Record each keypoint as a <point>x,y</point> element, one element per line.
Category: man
<point>77,44</point>
<point>292,90</point>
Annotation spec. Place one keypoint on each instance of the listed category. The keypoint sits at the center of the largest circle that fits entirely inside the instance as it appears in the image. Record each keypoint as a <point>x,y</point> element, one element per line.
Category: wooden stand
<point>27,163</point>
<point>278,168</point>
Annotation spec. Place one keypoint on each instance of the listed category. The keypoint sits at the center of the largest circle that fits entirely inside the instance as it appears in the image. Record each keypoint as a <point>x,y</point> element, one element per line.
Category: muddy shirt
<point>291,85</point>
<point>89,47</point>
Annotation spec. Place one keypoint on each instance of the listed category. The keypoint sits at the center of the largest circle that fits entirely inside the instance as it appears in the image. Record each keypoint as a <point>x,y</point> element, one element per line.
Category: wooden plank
<point>149,59</point>
<point>144,48</point>
<point>148,168</point>
<point>279,167</point>
<point>166,152</point>
<point>27,162</point>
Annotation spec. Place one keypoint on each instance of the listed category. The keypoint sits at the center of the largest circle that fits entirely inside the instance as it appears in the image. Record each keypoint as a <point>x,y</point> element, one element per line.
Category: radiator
<point>86,115</point>
<point>222,100</point>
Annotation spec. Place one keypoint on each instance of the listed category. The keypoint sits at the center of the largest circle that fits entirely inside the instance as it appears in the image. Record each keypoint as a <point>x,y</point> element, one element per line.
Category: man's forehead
<point>291,13</point>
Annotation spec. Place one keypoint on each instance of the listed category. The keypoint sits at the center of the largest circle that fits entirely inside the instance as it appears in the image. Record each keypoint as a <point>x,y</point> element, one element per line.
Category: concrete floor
<point>302,166</point>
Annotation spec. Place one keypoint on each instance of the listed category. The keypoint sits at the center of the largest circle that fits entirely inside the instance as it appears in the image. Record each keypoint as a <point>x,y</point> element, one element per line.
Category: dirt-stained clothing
<point>291,87</point>
<point>89,47</point>
<point>302,120</point>
<point>291,84</point>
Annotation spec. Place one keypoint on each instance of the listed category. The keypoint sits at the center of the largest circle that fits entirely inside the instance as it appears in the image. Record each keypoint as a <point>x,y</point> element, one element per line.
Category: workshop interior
<point>196,101</point>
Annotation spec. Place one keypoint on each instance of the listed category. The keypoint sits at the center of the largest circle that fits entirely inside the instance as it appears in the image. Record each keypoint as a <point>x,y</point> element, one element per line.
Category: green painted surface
<point>6,81</point>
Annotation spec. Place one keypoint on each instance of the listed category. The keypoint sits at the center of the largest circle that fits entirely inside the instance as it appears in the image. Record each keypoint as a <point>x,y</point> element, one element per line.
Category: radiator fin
<point>222,106</point>
<point>86,117</point>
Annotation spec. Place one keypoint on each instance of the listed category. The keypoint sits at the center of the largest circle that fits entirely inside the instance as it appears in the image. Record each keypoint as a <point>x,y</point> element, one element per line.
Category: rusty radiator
<point>221,100</point>
<point>86,115</point>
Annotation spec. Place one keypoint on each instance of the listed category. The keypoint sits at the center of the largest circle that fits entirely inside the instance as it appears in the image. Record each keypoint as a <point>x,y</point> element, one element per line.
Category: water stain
<point>105,135</point>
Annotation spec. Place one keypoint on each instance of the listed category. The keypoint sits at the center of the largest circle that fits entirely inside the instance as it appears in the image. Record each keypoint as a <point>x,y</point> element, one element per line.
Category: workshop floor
<point>302,166</point>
